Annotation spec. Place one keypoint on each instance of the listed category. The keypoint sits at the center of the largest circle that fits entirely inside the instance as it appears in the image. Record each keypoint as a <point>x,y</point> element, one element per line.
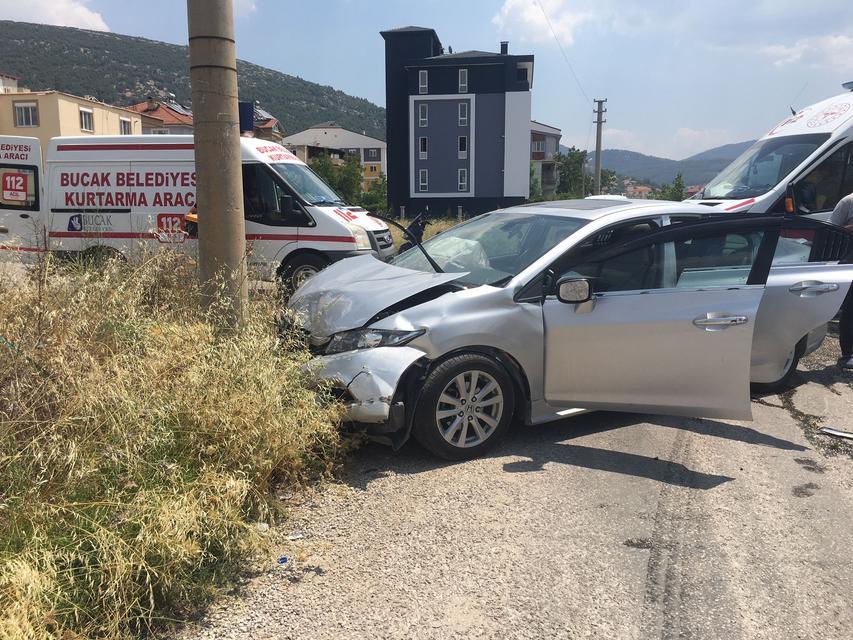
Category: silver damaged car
<point>541,311</point>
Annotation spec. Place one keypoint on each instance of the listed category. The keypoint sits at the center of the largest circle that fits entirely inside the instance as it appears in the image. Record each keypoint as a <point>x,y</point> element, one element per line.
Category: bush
<point>435,226</point>
<point>138,445</point>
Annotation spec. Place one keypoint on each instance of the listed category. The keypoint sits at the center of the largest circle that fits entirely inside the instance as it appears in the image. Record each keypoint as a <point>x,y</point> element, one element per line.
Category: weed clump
<point>138,445</point>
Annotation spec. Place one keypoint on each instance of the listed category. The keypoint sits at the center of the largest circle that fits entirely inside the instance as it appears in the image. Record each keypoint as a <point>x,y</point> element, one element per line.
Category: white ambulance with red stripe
<point>126,193</point>
<point>804,165</point>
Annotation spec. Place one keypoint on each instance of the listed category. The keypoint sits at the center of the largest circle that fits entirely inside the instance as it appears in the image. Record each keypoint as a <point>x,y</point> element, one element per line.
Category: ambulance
<point>124,194</point>
<point>804,165</point>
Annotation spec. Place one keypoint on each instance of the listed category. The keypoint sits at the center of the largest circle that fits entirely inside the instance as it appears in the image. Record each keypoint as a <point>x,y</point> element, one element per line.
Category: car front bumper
<point>367,383</point>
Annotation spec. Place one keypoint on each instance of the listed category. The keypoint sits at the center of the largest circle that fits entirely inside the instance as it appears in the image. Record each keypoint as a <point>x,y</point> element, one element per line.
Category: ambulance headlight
<point>362,238</point>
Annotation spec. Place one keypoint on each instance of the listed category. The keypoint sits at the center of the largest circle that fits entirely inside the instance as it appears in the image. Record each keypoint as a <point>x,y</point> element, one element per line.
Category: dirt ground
<point>600,526</point>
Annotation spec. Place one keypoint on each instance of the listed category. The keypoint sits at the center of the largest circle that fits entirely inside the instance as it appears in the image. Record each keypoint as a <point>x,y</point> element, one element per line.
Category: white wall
<point>517,144</point>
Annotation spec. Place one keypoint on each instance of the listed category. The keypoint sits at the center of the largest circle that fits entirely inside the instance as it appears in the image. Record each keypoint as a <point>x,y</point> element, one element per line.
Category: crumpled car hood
<point>350,292</point>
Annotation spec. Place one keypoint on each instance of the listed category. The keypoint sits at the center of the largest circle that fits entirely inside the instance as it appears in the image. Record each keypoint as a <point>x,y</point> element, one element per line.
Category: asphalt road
<point>600,526</point>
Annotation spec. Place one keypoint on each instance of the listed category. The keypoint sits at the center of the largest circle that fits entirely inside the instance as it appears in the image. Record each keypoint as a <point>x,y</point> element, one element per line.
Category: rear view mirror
<point>790,199</point>
<point>574,290</point>
<point>285,205</point>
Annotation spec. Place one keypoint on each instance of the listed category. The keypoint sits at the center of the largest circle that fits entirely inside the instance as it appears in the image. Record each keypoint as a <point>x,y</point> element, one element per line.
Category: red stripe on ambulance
<point>125,147</point>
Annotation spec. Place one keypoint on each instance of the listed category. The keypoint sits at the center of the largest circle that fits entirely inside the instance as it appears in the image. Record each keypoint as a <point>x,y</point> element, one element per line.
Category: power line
<point>563,51</point>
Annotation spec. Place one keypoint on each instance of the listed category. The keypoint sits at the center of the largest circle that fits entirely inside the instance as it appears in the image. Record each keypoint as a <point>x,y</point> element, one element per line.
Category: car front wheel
<point>466,407</point>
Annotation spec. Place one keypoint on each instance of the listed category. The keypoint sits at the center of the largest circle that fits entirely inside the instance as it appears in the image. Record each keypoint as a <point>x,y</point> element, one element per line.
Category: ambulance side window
<point>19,187</point>
<point>826,184</point>
<point>262,198</point>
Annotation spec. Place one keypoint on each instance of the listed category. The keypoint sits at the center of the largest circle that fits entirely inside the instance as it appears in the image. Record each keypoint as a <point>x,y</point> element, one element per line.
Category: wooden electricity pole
<point>219,188</point>
<point>599,121</point>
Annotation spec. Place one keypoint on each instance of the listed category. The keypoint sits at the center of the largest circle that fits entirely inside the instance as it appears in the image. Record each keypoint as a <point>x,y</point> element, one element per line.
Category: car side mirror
<point>285,205</point>
<point>790,199</point>
<point>574,290</point>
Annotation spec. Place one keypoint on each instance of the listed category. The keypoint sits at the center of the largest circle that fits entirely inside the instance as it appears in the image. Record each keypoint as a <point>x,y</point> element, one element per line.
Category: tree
<point>349,177</point>
<point>609,181</point>
<point>345,179</point>
<point>375,199</point>
<point>675,191</point>
<point>323,167</point>
<point>535,186</point>
<point>570,166</point>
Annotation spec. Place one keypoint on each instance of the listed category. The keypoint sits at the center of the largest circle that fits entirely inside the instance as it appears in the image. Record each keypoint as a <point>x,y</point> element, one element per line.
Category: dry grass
<point>138,446</point>
<point>435,226</point>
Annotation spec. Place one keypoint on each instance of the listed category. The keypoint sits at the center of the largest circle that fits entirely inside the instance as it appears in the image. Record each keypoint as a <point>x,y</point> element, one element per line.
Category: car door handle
<point>812,288</point>
<point>718,322</point>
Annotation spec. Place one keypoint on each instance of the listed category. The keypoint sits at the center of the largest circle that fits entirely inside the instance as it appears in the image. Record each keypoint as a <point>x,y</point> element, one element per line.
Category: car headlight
<point>369,339</point>
<point>362,238</point>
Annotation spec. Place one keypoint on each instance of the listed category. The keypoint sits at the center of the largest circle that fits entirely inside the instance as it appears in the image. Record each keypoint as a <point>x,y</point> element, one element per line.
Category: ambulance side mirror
<point>285,205</point>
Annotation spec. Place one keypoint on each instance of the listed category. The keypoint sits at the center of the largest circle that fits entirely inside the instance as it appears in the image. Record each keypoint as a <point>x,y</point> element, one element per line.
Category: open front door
<point>670,328</point>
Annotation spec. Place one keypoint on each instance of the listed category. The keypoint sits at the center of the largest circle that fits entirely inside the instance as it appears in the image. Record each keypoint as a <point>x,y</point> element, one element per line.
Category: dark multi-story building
<point>457,125</point>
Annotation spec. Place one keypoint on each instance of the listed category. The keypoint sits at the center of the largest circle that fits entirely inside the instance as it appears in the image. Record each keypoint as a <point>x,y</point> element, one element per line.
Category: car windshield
<point>761,167</point>
<point>307,184</point>
<point>494,247</point>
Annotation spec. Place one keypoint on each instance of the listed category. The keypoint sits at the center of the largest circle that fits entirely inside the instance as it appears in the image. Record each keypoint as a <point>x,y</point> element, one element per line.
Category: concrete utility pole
<point>599,121</point>
<point>219,190</point>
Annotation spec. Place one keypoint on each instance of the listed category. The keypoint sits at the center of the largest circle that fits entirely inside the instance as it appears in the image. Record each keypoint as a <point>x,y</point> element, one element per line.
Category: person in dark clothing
<point>842,216</point>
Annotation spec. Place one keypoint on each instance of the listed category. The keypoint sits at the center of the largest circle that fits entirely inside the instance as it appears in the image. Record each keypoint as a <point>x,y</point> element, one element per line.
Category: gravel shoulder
<point>601,526</point>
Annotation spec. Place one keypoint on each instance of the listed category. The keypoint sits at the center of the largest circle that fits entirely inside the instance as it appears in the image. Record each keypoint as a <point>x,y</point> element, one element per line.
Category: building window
<point>373,168</point>
<point>463,147</point>
<point>423,81</point>
<point>423,180</point>
<point>125,126</point>
<point>87,120</point>
<point>423,148</point>
<point>371,153</point>
<point>463,81</point>
<point>160,131</point>
<point>463,179</point>
<point>423,115</point>
<point>26,114</point>
<point>463,114</point>
<point>538,146</point>
<point>521,74</point>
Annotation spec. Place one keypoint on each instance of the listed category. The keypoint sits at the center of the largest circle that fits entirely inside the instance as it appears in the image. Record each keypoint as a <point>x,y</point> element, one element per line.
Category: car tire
<point>787,380</point>
<point>457,424</point>
<point>298,269</point>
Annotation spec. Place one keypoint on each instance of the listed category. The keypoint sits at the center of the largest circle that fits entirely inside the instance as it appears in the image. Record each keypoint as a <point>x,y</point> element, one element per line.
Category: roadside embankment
<point>138,446</point>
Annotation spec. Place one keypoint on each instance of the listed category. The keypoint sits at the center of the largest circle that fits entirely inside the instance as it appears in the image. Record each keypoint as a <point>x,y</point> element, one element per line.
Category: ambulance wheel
<point>99,255</point>
<point>298,269</point>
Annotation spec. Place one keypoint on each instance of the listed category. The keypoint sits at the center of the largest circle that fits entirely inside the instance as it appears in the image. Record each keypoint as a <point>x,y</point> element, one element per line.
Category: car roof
<point>595,208</point>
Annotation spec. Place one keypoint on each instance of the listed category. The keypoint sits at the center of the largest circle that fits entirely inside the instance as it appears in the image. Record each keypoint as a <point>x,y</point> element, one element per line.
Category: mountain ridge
<point>129,68</point>
<point>699,168</point>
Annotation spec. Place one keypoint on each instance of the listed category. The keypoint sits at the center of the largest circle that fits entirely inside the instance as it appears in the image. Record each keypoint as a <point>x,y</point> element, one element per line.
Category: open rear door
<point>20,197</point>
<point>805,289</point>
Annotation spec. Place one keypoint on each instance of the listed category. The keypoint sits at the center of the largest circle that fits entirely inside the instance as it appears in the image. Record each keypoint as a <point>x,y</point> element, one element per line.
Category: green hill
<point>122,70</point>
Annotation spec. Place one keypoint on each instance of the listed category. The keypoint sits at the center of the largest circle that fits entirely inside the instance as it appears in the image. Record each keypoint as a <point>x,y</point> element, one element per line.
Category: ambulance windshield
<point>761,167</point>
<point>307,184</point>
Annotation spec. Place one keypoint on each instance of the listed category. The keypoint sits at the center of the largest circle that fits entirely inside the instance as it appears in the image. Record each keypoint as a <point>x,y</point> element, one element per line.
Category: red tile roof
<point>163,112</point>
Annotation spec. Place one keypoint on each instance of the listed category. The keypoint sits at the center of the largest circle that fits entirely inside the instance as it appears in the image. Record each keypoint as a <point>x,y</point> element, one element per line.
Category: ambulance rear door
<point>21,197</point>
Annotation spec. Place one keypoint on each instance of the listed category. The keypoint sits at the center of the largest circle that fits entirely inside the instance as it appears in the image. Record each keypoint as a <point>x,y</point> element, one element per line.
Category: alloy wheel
<point>469,408</point>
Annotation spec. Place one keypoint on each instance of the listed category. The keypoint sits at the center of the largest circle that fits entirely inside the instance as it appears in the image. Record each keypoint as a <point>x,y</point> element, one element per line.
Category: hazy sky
<point>680,76</point>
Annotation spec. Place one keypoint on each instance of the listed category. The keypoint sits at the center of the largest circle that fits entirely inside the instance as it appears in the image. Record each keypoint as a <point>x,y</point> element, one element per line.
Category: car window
<point>723,258</point>
<point>803,241</point>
